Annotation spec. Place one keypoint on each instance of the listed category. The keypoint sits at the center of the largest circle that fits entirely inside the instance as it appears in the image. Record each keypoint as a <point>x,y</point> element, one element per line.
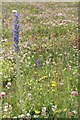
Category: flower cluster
<point>16,32</point>
<point>53,85</point>
<point>46,70</point>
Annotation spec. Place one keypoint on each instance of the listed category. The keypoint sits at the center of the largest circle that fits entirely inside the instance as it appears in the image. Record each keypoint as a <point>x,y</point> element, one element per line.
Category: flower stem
<point>18,78</point>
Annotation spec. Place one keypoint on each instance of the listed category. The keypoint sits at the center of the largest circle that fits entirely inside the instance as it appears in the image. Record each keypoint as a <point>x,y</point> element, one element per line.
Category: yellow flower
<point>40,55</point>
<point>4,116</point>
<point>29,84</point>
<point>53,90</point>
<point>37,112</point>
<point>45,77</point>
<point>53,83</point>
<point>65,109</point>
<point>30,36</point>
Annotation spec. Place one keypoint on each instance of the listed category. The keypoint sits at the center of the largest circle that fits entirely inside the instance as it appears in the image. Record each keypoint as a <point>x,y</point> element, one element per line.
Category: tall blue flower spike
<point>38,63</point>
<point>16,31</point>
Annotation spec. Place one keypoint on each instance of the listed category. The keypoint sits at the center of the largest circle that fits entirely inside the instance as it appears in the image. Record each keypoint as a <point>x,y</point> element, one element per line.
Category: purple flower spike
<point>16,48</point>
<point>16,31</point>
<point>38,63</point>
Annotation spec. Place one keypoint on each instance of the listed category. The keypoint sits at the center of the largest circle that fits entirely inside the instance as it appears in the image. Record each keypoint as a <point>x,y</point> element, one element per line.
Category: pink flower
<point>2,94</point>
<point>47,62</point>
<point>75,93</point>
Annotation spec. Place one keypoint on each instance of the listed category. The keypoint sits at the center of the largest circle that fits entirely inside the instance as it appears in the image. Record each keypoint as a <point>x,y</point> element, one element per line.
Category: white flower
<point>29,63</point>
<point>3,93</point>
<point>9,84</point>
<point>36,116</point>
<point>22,115</point>
<point>29,96</point>
<point>19,116</point>
<point>43,108</point>
<point>14,11</point>
<point>74,111</point>
<point>54,108</point>
<point>47,62</point>
<point>5,40</point>
<point>14,117</point>
<point>0,73</point>
<point>44,111</point>
<point>34,65</point>
<point>43,63</point>
<point>7,87</point>
<point>5,110</point>
<point>50,55</point>
<point>28,115</point>
<point>29,52</point>
<point>10,107</point>
<point>60,14</point>
<point>28,58</point>
<point>32,56</point>
<point>5,107</point>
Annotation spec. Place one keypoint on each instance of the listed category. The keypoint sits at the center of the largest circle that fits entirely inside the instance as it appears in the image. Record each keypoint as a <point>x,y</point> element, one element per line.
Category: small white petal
<point>14,11</point>
<point>9,84</point>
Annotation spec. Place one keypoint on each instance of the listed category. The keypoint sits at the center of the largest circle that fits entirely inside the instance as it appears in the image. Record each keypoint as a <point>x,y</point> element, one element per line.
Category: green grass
<point>53,43</point>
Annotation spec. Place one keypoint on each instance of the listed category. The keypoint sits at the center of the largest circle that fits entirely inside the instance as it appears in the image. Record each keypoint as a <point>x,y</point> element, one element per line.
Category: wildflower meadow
<point>39,60</point>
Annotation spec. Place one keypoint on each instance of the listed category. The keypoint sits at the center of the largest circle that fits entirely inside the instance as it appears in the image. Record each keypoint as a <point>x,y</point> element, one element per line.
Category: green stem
<point>18,78</point>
